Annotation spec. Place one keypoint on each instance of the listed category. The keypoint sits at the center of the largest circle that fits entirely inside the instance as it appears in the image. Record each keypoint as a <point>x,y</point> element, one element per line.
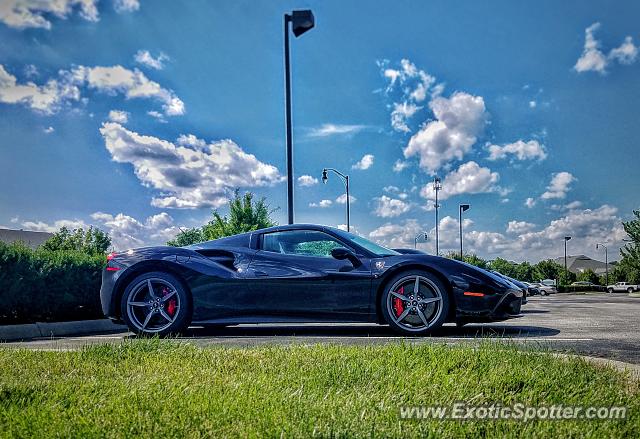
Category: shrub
<point>44,285</point>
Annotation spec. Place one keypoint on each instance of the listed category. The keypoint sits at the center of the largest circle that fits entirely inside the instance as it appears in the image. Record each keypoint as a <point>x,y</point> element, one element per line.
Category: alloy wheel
<point>153,305</point>
<point>414,303</point>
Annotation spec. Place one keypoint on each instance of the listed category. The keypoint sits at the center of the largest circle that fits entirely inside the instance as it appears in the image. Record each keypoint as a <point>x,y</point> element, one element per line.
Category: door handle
<point>260,274</point>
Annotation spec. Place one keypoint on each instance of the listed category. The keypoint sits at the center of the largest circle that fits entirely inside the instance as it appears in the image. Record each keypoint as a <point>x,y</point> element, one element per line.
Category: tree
<point>525,272</point>
<point>589,275</point>
<point>505,267</point>
<point>548,269</point>
<point>92,241</point>
<point>630,262</point>
<point>245,215</point>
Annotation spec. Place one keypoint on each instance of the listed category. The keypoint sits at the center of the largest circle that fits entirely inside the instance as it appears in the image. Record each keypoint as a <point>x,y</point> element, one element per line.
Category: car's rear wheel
<point>629,290</point>
<point>415,302</point>
<point>610,290</point>
<point>156,303</point>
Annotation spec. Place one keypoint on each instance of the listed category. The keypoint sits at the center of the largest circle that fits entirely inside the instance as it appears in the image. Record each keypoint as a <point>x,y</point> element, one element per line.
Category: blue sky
<point>140,117</point>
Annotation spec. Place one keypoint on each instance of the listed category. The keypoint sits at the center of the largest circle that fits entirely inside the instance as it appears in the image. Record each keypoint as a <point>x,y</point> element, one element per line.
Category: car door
<point>294,276</point>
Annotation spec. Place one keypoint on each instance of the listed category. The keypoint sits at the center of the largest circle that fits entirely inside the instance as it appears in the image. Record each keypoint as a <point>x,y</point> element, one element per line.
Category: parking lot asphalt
<point>594,324</point>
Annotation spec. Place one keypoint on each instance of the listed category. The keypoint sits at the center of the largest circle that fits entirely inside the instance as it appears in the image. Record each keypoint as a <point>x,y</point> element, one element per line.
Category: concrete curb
<point>58,329</point>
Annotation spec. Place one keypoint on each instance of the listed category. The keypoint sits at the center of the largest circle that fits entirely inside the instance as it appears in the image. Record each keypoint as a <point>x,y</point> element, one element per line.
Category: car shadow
<point>329,331</point>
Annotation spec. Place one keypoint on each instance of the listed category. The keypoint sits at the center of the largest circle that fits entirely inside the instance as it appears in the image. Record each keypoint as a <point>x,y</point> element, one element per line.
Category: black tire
<point>169,316</point>
<point>430,288</point>
<point>610,290</point>
<point>629,290</point>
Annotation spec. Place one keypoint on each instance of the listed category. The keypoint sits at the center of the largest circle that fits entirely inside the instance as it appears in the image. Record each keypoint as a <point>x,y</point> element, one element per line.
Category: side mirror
<point>342,253</point>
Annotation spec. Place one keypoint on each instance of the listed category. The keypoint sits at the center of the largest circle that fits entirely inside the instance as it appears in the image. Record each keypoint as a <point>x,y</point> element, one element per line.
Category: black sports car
<point>298,273</point>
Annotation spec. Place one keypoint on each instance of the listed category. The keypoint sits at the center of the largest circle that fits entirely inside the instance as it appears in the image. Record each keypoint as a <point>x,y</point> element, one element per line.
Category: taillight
<point>110,256</point>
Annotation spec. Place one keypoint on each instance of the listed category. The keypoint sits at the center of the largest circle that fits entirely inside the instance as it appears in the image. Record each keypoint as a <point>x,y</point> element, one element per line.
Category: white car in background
<point>545,289</point>
<point>622,286</point>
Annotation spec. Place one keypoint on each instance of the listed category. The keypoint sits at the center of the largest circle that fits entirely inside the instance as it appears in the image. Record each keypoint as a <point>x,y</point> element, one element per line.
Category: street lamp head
<point>302,21</point>
<point>464,207</point>
<point>324,176</point>
<point>567,238</point>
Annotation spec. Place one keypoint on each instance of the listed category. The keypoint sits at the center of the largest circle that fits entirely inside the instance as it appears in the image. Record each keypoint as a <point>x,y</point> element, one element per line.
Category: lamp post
<point>566,273</point>
<point>345,180</point>
<point>606,262</point>
<point>437,186</point>
<point>463,208</point>
<point>301,21</point>
<point>415,240</point>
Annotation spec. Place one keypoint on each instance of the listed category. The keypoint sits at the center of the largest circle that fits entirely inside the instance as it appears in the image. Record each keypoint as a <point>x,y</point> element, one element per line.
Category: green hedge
<point>40,285</point>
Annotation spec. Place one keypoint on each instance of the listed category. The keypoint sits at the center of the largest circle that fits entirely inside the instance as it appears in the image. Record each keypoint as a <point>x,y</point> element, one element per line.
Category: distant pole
<point>345,180</point>
<point>437,185</point>
<point>566,273</point>
<point>462,208</point>
<point>606,262</point>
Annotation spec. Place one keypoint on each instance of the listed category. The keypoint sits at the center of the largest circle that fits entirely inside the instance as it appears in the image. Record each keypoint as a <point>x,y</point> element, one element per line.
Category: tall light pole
<point>437,186</point>
<point>463,208</point>
<point>301,21</point>
<point>566,273</point>
<point>415,240</point>
<point>606,262</point>
<point>345,180</point>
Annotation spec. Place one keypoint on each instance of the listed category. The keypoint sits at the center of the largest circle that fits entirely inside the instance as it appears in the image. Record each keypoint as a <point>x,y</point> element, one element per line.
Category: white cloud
<point>342,199</point>
<point>145,58</point>
<point>21,14</point>
<point>459,121</point>
<point>126,5</point>
<point>364,163</point>
<point>530,202</point>
<point>519,227</point>
<point>469,178</point>
<point>531,150</point>
<point>558,186</point>
<point>533,104</point>
<point>400,165</point>
<point>626,53</point>
<point>322,203</point>
<point>387,207</point>
<point>47,98</point>
<point>132,83</point>
<point>118,116</point>
<point>397,235</point>
<point>573,205</point>
<point>307,180</point>
<point>187,176</point>
<point>49,130</point>
<point>40,226</point>
<point>330,129</point>
<point>593,59</point>
<point>401,112</point>
<point>415,86</point>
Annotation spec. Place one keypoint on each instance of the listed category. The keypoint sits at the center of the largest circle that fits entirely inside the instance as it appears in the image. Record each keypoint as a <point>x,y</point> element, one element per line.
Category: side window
<point>300,242</point>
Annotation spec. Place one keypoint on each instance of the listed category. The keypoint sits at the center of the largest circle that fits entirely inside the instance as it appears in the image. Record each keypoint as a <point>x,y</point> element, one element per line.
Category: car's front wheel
<point>610,290</point>
<point>629,290</point>
<point>415,303</point>
<point>156,303</point>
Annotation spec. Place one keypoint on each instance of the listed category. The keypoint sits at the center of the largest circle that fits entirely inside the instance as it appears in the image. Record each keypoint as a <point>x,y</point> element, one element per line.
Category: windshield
<point>371,246</point>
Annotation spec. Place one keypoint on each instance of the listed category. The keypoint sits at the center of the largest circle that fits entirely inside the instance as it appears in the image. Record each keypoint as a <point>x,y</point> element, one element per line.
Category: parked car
<point>583,283</point>
<point>545,290</point>
<point>622,286</point>
<point>298,273</point>
<point>532,289</point>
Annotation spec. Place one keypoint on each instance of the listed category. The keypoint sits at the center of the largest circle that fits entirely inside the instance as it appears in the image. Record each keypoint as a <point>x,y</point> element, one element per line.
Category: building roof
<point>30,239</point>
<point>579,263</point>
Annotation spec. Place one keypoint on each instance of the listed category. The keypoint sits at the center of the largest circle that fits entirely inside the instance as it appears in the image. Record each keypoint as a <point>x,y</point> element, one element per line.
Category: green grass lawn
<point>166,389</point>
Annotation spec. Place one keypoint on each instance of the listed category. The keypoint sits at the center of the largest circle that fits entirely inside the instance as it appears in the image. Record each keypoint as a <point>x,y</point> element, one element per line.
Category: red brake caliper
<point>398,306</point>
<point>171,305</point>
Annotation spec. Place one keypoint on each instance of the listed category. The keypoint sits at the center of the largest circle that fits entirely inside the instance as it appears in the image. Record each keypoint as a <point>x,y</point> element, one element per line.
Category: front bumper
<point>490,308</point>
